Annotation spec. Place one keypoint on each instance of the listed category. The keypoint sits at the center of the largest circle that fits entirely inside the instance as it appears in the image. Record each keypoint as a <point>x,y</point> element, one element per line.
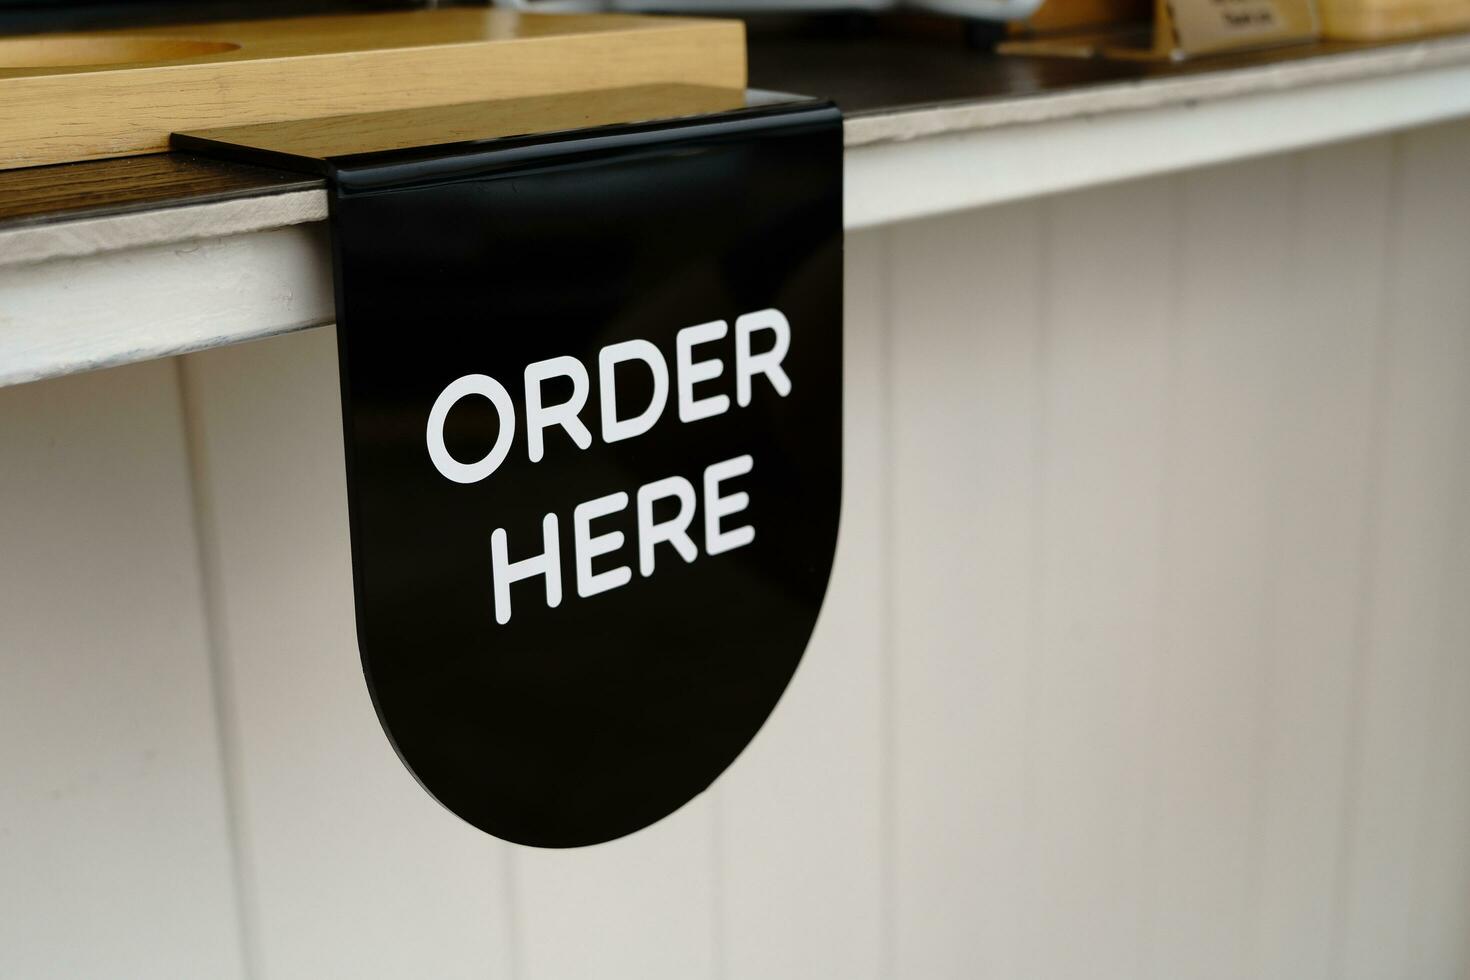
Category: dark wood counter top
<point>873,77</point>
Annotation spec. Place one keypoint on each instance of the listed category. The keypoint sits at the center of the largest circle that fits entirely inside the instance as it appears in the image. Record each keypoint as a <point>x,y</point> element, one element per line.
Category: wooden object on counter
<point>1381,20</point>
<point>1194,27</point>
<point>1183,29</point>
<point>119,93</point>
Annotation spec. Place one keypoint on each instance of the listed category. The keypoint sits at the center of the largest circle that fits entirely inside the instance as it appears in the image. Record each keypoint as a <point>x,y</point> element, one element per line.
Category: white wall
<point>1147,652</point>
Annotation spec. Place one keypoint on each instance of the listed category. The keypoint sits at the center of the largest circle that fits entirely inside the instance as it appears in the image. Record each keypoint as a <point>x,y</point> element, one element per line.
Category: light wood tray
<point>1382,20</point>
<point>118,93</point>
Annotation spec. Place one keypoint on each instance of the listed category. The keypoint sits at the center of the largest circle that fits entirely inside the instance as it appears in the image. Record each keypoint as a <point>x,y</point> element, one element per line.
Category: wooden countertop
<point>891,88</point>
<point>68,191</point>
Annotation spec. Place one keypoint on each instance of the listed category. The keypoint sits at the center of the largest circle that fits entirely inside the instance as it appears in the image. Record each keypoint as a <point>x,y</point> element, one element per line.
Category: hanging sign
<point>591,388</point>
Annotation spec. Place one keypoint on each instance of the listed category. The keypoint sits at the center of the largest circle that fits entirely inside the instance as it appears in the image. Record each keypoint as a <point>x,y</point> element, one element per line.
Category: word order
<point>688,372</point>
<point>587,545</point>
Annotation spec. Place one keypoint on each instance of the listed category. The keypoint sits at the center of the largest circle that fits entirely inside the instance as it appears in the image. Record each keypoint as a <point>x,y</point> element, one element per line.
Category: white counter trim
<point>1096,100</point>
<point>104,291</point>
<point>115,233</point>
<point>951,171</point>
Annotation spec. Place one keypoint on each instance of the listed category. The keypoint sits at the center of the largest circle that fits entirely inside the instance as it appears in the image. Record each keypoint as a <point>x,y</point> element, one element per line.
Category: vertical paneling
<point>1107,329</point>
<point>964,362</point>
<point>1400,789</point>
<point>801,807</point>
<point>1219,563</point>
<point>1146,652</point>
<point>643,906</point>
<point>1439,925</point>
<point>351,869</point>
<point>1327,341</point>
<point>114,850</point>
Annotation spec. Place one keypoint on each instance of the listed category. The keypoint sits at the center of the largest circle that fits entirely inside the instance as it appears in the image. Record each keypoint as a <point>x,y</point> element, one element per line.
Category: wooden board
<point>88,96</point>
<point>1376,20</point>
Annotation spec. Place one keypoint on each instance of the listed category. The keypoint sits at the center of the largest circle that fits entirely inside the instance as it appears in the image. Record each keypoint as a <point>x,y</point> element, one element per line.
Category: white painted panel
<point>91,311</point>
<point>1439,927</point>
<point>1104,419</point>
<point>114,849</point>
<point>643,906</point>
<point>353,869</point>
<point>1439,923</point>
<point>1408,658</point>
<point>1328,341</point>
<point>964,361</point>
<point>1213,668</point>
<point>801,808</point>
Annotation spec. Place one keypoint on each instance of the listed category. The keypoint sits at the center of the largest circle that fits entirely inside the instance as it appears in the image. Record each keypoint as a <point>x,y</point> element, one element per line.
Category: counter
<point>932,128</point>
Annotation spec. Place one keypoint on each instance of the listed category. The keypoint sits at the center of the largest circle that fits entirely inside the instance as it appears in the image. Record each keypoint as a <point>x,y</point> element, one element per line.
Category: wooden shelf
<point>108,94</point>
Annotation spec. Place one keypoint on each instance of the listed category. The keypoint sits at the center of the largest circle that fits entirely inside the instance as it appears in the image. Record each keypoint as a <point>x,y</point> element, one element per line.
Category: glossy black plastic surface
<point>581,722</point>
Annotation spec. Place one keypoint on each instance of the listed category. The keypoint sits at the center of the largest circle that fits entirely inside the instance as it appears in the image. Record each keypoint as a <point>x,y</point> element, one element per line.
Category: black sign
<point>592,398</point>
